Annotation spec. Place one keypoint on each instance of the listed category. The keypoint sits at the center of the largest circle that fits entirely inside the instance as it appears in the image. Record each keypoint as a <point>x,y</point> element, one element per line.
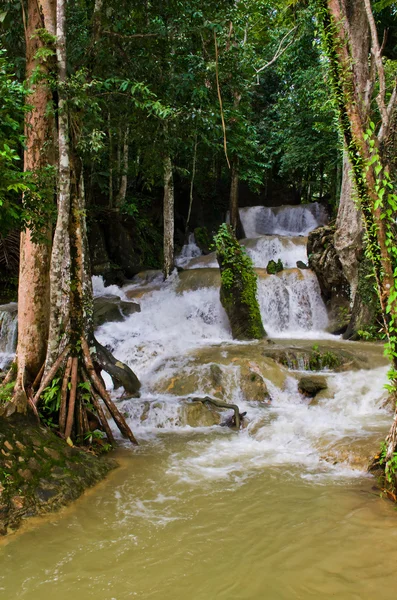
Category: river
<point>282,509</point>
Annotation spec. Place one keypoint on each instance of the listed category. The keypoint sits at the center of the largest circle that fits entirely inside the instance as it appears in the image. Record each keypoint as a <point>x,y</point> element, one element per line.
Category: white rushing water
<point>8,334</point>
<point>184,315</point>
<point>282,220</point>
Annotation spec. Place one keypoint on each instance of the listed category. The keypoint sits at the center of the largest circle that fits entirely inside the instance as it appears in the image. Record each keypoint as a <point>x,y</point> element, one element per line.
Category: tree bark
<point>348,241</point>
<point>235,220</point>
<point>120,199</point>
<point>168,211</point>
<point>60,257</point>
<point>33,292</point>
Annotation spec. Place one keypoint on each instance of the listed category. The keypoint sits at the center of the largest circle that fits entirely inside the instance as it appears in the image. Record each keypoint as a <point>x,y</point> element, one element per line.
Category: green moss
<point>203,239</point>
<point>238,286</point>
<point>274,267</point>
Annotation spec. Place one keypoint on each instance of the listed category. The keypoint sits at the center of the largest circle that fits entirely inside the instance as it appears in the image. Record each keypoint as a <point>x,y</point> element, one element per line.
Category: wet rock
<point>110,308</point>
<point>311,386</point>
<point>198,414</point>
<point>253,386</point>
<point>335,289</point>
<point>301,265</point>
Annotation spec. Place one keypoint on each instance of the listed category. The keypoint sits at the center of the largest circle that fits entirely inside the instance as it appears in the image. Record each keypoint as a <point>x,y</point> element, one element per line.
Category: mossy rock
<point>203,239</point>
<point>274,267</point>
<point>39,472</point>
<point>238,292</point>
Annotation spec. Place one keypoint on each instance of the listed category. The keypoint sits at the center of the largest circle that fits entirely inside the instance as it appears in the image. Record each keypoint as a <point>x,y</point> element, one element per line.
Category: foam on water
<point>291,433</point>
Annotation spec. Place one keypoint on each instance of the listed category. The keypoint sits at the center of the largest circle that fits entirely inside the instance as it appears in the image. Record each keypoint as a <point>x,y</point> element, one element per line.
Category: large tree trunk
<point>370,171</point>
<point>168,211</point>
<point>60,258</point>
<point>33,292</point>
<point>348,241</point>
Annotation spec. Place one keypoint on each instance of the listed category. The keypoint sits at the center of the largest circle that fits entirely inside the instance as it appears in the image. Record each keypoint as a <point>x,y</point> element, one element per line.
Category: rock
<point>203,239</point>
<point>198,414</point>
<point>301,265</point>
<point>311,386</point>
<point>238,292</point>
<point>252,384</point>
<point>274,267</point>
<point>335,289</point>
<point>110,308</point>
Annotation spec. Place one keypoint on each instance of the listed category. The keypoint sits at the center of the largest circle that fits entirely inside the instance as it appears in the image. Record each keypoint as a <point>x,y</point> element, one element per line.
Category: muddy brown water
<point>155,530</point>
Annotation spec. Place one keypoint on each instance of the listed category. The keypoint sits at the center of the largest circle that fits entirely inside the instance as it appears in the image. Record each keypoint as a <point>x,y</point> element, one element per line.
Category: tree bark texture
<point>348,241</point>
<point>168,210</point>
<point>60,258</point>
<point>33,292</point>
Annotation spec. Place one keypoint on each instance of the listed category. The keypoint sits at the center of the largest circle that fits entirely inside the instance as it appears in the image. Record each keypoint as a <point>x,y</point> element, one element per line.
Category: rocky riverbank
<point>40,473</point>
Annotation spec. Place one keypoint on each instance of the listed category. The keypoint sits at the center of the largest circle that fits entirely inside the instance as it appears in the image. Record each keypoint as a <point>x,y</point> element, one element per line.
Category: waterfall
<point>8,333</point>
<point>189,251</point>
<point>282,220</point>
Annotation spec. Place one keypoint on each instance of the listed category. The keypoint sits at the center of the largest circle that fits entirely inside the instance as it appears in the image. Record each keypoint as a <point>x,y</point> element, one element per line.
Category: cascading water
<point>8,334</point>
<point>184,318</point>
<point>280,498</point>
<point>189,251</point>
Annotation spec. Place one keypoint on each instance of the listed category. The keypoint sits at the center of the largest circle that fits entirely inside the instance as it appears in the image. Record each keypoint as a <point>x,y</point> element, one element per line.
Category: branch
<point>279,52</point>
<point>220,99</point>
<point>132,36</point>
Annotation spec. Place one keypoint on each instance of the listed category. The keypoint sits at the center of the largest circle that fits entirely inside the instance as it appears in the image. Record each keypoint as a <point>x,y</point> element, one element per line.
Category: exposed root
<point>116,415</point>
<point>51,374</point>
<point>72,397</point>
<point>64,396</point>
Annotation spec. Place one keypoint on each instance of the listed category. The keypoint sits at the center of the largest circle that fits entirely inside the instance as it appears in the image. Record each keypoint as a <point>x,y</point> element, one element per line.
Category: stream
<point>283,509</point>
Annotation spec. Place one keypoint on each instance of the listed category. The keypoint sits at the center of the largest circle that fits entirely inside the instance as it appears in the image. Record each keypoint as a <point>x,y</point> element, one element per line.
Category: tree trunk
<point>235,220</point>
<point>168,210</point>
<point>120,199</point>
<point>60,258</point>
<point>348,241</point>
<point>33,292</point>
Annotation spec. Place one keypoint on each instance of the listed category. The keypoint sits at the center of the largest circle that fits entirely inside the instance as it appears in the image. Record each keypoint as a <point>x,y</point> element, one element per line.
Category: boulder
<point>110,308</point>
<point>238,292</point>
<point>311,386</point>
<point>301,265</point>
<point>252,384</point>
<point>335,289</point>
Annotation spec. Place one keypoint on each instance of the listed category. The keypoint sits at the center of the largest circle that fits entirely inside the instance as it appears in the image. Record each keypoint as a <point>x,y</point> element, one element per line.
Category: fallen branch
<point>221,404</point>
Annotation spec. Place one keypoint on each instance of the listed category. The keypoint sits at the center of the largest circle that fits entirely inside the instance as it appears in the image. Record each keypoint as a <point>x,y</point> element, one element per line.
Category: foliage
<point>50,403</point>
<point>6,392</point>
<point>322,360</point>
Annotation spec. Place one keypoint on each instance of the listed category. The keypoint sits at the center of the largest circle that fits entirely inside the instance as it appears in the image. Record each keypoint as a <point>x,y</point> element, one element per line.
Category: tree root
<point>94,378</point>
<point>73,419</point>
<point>51,374</point>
